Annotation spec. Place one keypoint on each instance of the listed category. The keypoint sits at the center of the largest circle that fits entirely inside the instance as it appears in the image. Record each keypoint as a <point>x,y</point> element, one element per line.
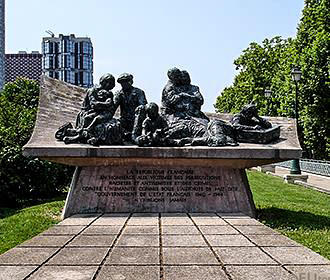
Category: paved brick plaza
<point>161,246</point>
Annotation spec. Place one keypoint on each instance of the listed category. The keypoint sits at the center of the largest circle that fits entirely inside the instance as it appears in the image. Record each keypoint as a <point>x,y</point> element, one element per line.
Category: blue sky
<point>147,37</point>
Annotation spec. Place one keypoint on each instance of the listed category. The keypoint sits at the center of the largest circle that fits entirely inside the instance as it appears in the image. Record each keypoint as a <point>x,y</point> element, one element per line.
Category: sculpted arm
<point>146,128</point>
<point>195,96</point>
<point>199,97</point>
<point>237,123</point>
<point>99,105</point>
<point>263,122</point>
<point>142,98</point>
<point>116,101</point>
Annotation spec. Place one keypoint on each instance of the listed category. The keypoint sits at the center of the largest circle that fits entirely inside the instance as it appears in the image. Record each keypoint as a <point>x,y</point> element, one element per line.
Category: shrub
<point>24,178</point>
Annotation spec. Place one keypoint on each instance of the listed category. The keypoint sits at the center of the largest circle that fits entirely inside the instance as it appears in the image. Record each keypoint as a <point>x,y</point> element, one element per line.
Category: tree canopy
<point>268,66</point>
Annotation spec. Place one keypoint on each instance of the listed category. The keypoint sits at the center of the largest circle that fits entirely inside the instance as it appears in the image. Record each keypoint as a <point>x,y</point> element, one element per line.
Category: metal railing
<point>320,167</point>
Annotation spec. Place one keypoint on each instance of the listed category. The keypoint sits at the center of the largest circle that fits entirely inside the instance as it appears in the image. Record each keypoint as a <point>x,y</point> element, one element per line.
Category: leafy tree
<point>268,65</point>
<point>260,67</point>
<point>23,178</point>
<point>313,46</point>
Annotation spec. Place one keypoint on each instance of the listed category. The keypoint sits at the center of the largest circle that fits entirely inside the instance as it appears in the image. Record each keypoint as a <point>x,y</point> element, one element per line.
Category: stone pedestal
<point>291,178</point>
<point>266,168</point>
<point>159,188</point>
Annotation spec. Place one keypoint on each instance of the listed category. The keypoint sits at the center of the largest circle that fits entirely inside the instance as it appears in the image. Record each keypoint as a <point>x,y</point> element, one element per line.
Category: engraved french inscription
<point>137,188</point>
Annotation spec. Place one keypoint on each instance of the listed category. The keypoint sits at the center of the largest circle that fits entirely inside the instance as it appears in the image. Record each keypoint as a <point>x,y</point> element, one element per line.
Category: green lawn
<point>19,225</point>
<point>299,213</point>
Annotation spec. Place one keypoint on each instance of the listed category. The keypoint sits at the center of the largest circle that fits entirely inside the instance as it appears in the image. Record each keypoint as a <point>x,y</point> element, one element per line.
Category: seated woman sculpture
<point>170,91</point>
<point>102,109</point>
<point>191,100</point>
<point>187,124</point>
<point>107,82</point>
<point>180,99</point>
<point>95,117</point>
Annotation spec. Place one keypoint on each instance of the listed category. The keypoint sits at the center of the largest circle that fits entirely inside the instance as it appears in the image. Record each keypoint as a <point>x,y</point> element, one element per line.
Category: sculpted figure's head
<point>126,81</point>
<point>152,110</point>
<point>250,110</point>
<point>185,78</point>
<point>107,81</point>
<point>174,74</point>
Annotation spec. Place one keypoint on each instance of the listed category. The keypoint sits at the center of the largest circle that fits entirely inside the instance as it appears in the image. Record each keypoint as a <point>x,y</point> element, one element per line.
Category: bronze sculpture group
<point>178,122</point>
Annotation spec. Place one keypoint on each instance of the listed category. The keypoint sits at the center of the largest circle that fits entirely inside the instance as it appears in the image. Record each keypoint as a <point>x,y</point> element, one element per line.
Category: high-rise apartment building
<point>23,64</point>
<point>69,59</point>
<point>2,42</point>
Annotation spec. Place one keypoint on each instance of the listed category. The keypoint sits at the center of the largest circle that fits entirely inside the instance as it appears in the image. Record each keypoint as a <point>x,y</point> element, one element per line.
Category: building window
<point>76,48</point>
<point>51,62</point>
<point>65,60</point>
<point>81,78</point>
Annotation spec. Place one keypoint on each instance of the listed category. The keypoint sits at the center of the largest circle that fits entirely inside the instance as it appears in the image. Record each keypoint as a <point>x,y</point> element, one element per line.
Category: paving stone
<point>65,273</point>
<point>15,272</point>
<point>116,215</point>
<point>138,240</point>
<point>180,230</point>
<point>207,215</point>
<point>242,221</point>
<point>79,256</point>
<point>129,273</point>
<point>295,255</point>
<point>142,255</point>
<point>259,273</point>
<point>141,230</point>
<point>181,255</point>
<point>200,221</point>
<point>194,272</point>
<point>143,221</point>
<point>310,272</point>
<point>243,255</point>
<point>272,240</point>
<point>218,230</point>
<point>174,215</point>
<point>63,230</point>
<point>110,221</point>
<point>233,215</point>
<point>183,241</point>
<point>47,241</point>
<point>78,220</point>
<point>102,230</point>
<point>90,215</point>
<point>256,230</point>
<point>27,256</point>
<point>228,240</point>
<point>176,221</point>
<point>145,215</point>
<point>92,240</point>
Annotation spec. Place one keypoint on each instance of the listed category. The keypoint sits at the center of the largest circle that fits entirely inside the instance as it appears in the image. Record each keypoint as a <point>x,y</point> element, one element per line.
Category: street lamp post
<point>296,75</point>
<point>268,94</point>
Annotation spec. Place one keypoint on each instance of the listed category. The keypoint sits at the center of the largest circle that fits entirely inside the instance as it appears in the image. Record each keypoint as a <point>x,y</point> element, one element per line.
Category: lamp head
<point>296,74</point>
<point>268,93</point>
